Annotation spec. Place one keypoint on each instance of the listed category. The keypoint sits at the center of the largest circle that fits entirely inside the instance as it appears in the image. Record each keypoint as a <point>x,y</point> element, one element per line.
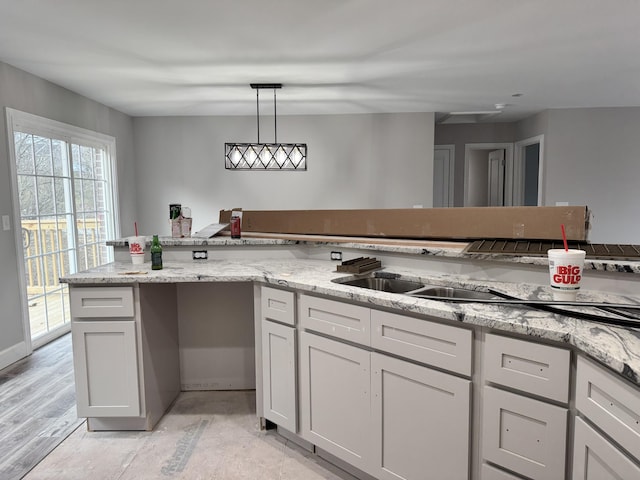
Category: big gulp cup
<point>136,249</point>
<point>565,272</point>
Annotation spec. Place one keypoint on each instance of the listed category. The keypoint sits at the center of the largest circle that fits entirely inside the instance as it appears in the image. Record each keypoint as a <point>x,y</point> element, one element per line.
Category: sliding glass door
<point>64,188</point>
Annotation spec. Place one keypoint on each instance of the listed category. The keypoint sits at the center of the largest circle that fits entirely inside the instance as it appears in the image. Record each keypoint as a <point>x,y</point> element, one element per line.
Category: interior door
<point>496,178</point>
<point>443,176</point>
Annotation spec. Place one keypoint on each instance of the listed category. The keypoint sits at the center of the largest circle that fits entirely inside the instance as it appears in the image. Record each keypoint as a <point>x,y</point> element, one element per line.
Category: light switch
<point>6,225</point>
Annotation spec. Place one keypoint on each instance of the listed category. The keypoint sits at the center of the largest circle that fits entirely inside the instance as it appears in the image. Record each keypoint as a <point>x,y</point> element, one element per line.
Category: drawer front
<point>524,435</point>
<point>423,341</point>
<point>489,472</point>
<point>342,320</point>
<point>106,302</point>
<point>594,458</point>
<point>531,367</point>
<point>278,305</point>
<point>610,403</point>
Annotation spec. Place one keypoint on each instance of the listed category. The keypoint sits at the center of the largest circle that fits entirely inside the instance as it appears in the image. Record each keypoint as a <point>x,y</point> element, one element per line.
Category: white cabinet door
<point>524,435</point>
<point>279,374</point>
<point>335,401</point>
<point>421,420</point>
<point>594,458</point>
<point>106,368</point>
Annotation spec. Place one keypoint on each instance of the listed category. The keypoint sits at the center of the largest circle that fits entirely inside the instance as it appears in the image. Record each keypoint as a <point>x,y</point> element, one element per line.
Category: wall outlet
<point>336,255</point>
<point>6,224</point>
<point>199,254</point>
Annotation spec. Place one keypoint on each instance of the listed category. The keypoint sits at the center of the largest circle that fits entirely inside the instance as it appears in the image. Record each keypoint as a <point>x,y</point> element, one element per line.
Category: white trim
<point>13,354</point>
<point>18,120</point>
<point>508,170</point>
<point>518,162</point>
<point>452,169</point>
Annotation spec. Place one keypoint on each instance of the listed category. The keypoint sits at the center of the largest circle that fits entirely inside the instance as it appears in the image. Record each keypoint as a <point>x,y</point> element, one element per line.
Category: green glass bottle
<point>156,254</point>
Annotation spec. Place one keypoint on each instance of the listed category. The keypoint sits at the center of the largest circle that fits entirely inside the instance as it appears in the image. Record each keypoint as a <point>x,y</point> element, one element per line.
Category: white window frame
<point>34,124</point>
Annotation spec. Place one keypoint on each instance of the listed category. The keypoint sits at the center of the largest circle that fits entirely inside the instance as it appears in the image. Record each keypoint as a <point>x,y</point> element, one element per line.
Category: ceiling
<point>197,57</point>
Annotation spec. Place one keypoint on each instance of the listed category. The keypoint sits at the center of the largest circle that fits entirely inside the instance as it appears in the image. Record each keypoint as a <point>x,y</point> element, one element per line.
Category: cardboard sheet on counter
<point>462,223</point>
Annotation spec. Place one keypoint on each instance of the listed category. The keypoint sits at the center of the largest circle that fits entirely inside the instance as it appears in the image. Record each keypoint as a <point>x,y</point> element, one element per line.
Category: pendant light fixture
<point>266,156</point>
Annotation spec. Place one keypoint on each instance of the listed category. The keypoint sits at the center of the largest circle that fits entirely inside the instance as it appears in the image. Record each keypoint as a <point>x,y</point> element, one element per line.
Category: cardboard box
<point>536,223</point>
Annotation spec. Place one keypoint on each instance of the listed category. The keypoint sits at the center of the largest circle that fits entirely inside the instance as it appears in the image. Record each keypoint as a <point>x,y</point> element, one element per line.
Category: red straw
<point>135,226</point>
<point>564,238</point>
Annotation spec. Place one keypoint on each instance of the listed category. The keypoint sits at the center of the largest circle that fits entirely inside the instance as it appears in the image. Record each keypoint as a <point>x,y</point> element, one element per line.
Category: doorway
<point>527,171</point>
<point>443,175</point>
<point>488,173</point>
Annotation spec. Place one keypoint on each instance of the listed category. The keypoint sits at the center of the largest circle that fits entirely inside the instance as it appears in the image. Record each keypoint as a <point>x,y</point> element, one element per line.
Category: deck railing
<point>46,249</point>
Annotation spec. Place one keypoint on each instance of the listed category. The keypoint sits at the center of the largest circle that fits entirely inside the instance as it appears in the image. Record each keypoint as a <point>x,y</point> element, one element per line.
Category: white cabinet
<point>610,403</point>
<point>594,458</point>
<point>125,349</point>
<point>337,319</point>
<point>527,366</point>
<point>421,421</point>
<point>105,352</point>
<point>524,435</point>
<point>335,411</point>
<point>426,342</point>
<point>279,357</point>
<point>279,374</point>
<point>106,368</point>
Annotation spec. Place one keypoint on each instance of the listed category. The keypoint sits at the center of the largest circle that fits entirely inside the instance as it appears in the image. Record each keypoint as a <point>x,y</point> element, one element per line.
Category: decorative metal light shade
<point>265,156</point>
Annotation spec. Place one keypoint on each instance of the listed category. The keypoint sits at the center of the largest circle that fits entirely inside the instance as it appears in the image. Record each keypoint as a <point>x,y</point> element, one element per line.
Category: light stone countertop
<point>616,347</point>
<point>434,248</point>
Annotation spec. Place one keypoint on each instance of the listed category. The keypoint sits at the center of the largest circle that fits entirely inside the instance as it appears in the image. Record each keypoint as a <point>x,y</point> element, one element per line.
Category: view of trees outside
<point>65,217</point>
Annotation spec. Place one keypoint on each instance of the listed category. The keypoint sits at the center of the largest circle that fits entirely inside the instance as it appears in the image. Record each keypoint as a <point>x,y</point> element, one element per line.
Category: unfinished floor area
<point>205,435</point>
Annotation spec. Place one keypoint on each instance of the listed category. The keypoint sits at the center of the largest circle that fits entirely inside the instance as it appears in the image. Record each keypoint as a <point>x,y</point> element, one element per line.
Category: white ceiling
<point>197,57</point>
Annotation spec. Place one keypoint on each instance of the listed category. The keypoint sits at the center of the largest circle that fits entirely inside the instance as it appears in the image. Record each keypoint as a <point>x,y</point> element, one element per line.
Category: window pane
<point>45,196</point>
<point>88,195</point>
<point>77,190</point>
<point>59,155</point>
<point>86,162</point>
<point>43,155</point>
<point>27,195</point>
<point>24,153</point>
<point>63,195</point>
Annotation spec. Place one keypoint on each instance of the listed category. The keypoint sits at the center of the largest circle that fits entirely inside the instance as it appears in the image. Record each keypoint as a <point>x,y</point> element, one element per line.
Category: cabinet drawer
<point>342,320</point>
<point>489,472</point>
<point>610,403</point>
<point>531,367</point>
<point>107,302</point>
<point>427,342</point>
<point>278,305</point>
<point>594,458</point>
<point>524,435</point>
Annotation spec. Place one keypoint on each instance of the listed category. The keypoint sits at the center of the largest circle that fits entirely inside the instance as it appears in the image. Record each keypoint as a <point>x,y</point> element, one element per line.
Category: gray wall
<point>592,158</point>
<point>354,161</point>
<point>25,92</point>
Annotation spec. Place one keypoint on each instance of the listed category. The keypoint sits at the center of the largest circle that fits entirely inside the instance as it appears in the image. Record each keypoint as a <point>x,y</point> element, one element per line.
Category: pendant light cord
<point>275,118</point>
<point>258,111</point>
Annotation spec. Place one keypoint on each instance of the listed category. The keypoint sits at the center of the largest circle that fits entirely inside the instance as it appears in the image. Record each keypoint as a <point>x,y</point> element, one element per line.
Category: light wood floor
<point>37,407</point>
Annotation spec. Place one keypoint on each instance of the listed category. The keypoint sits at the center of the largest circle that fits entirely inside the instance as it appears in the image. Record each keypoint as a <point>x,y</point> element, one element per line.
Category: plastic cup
<point>565,272</point>
<point>136,249</point>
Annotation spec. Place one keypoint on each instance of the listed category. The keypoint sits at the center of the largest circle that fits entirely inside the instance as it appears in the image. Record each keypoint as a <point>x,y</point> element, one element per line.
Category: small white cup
<point>136,249</point>
<point>565,272</point>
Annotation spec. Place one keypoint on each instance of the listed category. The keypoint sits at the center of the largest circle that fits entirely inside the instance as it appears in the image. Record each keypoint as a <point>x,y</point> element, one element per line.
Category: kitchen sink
<point>453,293</point>
<point>391,285</point>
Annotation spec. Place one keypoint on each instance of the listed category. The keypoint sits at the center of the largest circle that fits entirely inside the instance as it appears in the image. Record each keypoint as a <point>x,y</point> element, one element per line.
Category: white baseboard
<point>12,354</point>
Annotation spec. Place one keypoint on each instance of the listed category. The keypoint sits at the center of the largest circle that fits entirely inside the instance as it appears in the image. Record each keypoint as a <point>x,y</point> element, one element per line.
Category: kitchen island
<point>256,273</point>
